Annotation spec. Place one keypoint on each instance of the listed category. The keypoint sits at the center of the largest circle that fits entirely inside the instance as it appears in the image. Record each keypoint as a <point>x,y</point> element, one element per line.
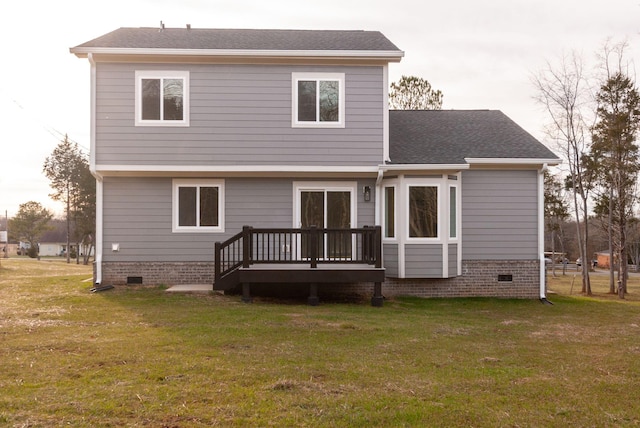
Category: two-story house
<point>196,133</point>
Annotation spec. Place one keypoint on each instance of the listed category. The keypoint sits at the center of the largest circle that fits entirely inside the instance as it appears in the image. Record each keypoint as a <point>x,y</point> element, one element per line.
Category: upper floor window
<point>162,98</point>
<point>318,100</point>
<point>198,206</point>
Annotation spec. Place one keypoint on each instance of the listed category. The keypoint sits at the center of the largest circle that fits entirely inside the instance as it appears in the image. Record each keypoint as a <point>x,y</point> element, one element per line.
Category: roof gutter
<point>514,161</point>
<point>390,56</point>
<point>422,167</point>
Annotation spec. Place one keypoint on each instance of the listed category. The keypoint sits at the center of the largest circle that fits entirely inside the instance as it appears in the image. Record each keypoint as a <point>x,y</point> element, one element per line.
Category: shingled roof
<point>240,40</point>
<point>450,136</point>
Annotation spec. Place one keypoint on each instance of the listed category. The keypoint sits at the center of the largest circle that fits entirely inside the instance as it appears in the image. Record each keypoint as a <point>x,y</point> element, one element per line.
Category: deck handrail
<point>311,245</point>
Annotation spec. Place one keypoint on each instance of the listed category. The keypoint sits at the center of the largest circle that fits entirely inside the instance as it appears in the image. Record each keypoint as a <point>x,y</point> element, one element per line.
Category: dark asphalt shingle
<point>234,39</point>
<point>450,136</point>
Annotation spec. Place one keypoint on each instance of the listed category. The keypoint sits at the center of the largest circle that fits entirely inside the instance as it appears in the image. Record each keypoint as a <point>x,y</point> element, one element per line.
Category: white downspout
<point>543,288</point>
<point>92,168</point>
<point>378,206</point>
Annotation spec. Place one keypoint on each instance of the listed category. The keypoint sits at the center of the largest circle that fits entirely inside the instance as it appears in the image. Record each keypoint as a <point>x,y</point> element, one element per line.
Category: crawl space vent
<point>134,280</point>
<point>505,278</point>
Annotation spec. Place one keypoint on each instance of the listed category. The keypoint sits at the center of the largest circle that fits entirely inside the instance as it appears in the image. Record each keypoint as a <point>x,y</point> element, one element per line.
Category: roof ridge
<point>252,29</point>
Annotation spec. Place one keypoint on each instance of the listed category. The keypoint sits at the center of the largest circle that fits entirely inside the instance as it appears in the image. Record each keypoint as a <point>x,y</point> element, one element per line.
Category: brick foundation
<point>479,279</point>
<point>158,273</point>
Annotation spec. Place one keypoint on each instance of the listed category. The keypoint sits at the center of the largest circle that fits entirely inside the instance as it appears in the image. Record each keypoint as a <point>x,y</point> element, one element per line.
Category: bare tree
<point>564,92</point>
<point>556,212</point>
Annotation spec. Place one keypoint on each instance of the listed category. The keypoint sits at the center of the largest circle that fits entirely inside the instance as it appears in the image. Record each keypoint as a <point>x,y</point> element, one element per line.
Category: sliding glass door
<point>331,209</point>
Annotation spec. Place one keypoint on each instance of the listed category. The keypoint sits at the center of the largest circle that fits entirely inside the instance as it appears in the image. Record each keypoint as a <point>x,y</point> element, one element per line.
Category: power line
<point>49,129</point>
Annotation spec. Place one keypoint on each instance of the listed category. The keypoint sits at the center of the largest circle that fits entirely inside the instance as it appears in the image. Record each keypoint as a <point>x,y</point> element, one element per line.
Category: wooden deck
<point>257,256</point>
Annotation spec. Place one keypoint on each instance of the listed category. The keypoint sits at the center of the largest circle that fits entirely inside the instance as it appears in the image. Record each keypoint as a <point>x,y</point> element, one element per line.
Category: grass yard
<point>138,356</point>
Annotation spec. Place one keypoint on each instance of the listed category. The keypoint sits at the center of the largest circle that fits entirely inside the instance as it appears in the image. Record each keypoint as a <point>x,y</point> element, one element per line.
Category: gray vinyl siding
<point>138,216</point>
<point>499,217</point>
<point>239,115</point>
<point>366,210</point>
<point>390,259</point>
<point>453,260</point>
<point>423,261</point>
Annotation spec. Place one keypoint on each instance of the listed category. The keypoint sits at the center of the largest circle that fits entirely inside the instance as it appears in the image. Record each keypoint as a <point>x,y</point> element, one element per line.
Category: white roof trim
<point>425,166</point>
<point>367,54</point>
<point>512,161</point>
<point>237,168</point>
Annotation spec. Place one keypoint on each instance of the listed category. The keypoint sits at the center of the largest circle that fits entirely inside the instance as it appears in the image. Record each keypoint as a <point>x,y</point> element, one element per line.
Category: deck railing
<point>310,246</point>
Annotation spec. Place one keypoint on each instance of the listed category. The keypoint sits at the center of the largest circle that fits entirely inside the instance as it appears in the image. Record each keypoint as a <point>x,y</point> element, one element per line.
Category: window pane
<point>329,97</point>
<point>306,101</point>
<point>209,206</point>
<point>311,214</point>
<point>389,212</point>
<point>173,99</point>
<point>453,227</point>
<point>186,206</point>
<point>339,217</point>
<point>150,99</point>
<point>312,209</point>
<point>423,212</point>
<point>338,210</point>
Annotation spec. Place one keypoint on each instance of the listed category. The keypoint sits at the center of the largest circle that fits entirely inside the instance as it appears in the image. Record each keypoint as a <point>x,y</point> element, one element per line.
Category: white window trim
<point>177,183</point>
<point>326,186</point>
<point>295,77</point>
<point>437,183</point>
<point>458,217</point>
<point>155,74</point>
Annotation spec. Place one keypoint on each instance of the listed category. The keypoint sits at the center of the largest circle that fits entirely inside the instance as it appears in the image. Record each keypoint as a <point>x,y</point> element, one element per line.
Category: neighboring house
<point>53,241</point>
<point>603,259</point>
<point>199,132</point>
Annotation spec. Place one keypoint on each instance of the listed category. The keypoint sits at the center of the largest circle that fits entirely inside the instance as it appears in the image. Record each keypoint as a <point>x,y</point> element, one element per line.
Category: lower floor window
<point>423,212</point>
<point>198,205</point>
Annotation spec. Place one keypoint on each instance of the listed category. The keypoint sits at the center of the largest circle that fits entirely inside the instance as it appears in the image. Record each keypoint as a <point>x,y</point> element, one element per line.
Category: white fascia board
<point>512,161</point>
<point>154,169</point>
<point>424,167</point>
<point>394,56</point>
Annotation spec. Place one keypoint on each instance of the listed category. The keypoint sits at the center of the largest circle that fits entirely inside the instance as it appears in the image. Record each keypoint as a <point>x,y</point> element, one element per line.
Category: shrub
<point>32,252</point>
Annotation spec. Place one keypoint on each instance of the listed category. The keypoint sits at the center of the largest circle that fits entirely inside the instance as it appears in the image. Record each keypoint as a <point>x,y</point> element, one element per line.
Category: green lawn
<point>138,356</point>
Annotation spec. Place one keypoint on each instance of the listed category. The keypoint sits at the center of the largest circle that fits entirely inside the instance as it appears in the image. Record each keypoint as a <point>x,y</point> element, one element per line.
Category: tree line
<point>594,123</point>
<point>67,168</point>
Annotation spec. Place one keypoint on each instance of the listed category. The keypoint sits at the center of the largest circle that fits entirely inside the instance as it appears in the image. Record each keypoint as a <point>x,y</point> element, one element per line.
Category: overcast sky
<point>480,54</point>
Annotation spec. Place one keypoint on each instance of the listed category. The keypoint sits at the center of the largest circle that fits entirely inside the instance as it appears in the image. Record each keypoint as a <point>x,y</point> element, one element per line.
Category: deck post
<point>313,299</point>
<point>314,246</point>
<point>217,263</point>
<point>377,299</point>
<point>246,292</point>
<point>377,242</point>
<point>246,246</point>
